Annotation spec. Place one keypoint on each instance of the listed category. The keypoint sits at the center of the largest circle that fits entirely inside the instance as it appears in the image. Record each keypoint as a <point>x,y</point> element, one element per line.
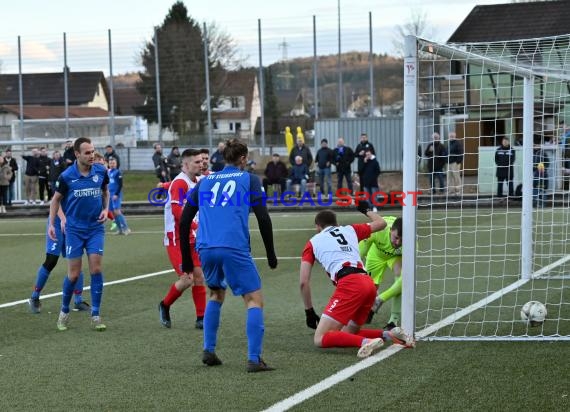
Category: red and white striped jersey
<point>177,192</point>
<point>335,247</point>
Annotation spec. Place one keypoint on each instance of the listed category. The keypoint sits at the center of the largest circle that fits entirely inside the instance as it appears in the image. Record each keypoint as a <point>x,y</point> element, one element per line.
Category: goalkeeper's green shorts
<point>376,266</point>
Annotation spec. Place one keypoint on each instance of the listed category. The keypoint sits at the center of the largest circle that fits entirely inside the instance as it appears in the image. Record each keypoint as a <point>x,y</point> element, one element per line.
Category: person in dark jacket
<point>302,150</point>
<point>275,173</point>
<point>370,174</point>
<point>217,159</point>
<point>324,160</point>
<point>299,175</point>
<point>14,165</point>
<point>111,153</point>
<point>343,158</point>
<point>505,161</point>
<point>436,158</point>
<point>68,153</point>
<point>360,153</point>
<point>43,176</point>
<point>57,166</point>
<point>31,176</point>
<point>160,164</point>
<point>540,167</point>
<point>174,162</point>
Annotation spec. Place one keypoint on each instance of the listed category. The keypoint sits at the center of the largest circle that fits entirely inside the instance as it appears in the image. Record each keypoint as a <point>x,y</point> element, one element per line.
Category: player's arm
<point>307,261</point>
<point>263,220</point>
<point>188,213</point>
<point>377,222</point>
<point>105,197</point>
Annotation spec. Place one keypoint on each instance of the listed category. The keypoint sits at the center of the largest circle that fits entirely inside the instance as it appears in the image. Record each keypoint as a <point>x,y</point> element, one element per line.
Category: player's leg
<point>95,241</point>
<point>69,281</point>
<point>376,266</point>
<point>41,279</point>
<point>198,289</point>
<point>177,288</point>
<point>243,278</point>
<point>352,299</point>
<point>212,266</point>
<point>394,292</point>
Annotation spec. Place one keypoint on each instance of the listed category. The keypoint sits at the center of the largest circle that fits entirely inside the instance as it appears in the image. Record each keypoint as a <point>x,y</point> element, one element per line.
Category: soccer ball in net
<point>533,312</point>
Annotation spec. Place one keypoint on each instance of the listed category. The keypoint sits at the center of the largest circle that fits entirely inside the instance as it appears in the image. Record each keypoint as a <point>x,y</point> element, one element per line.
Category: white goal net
<point>493,164</point>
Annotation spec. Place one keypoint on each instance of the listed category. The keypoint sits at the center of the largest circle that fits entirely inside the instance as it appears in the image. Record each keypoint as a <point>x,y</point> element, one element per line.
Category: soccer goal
<point>500,235</point>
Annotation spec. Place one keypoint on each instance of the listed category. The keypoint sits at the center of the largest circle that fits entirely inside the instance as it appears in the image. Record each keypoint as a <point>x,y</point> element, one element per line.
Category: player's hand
<point>272,261</point>
<point>312,318</point>
<point>102,216</point>
<point>51,232</point>
<point>363,206</point>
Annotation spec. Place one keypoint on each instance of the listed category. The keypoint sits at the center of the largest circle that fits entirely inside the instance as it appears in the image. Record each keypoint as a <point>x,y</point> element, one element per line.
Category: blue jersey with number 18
<point>224,199</point>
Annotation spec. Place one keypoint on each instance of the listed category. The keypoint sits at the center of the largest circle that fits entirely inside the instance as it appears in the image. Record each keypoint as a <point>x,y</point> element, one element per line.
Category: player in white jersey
<point>336,248</point>
<point>177,194</point>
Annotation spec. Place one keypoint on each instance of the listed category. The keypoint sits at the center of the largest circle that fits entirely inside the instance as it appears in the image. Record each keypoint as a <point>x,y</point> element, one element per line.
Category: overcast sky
<point>41,25</point>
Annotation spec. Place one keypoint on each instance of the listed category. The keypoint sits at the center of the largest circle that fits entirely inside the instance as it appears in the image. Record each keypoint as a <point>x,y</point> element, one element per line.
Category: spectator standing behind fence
<point>31,176</point>
<point>174,162</point>
<point>43,176</point>
<point>436,158</point>
<point>14,166</point>
<point>324,160</point>
<point>217,159</point>
<point>454,166</point>
<point>540,166</point>
<point>111,153</point>
<point>57,166</point>
<point>505,161</point>
<point>370,174</point>
<point>68,153</point>
<point>300,149</point>
<point>275,173</point>
<point>360,153</point>
<point>5,176</point>
<point>160,164</point>
<point>343,158</point>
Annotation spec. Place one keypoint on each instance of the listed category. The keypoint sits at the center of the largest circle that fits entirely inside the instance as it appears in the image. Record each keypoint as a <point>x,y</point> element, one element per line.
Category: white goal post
<point>492,226</point>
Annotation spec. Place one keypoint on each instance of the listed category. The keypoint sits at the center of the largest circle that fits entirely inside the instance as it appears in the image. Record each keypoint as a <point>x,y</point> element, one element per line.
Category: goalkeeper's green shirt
<point>378,245</point>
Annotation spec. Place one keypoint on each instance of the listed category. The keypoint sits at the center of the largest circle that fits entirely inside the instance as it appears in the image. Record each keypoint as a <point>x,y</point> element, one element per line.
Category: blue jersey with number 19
<point>226,196</point>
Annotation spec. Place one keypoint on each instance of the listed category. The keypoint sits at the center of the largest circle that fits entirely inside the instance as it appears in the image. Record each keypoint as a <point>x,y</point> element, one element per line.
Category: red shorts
<point>175,257</point>
<point>352,299</point>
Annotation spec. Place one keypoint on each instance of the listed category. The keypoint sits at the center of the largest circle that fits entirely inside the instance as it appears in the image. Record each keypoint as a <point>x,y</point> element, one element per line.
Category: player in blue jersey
<point>116,195</point>
<point>224,200</point>
<point>55,248</point>
<point>82,192</point>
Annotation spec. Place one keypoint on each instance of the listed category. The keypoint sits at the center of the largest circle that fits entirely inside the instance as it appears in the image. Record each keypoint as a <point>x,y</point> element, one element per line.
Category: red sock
<point>199,297</point>
<point>340,339</point>
<point>111,215</point>
<point>171,296</point>
<point>371,333</point>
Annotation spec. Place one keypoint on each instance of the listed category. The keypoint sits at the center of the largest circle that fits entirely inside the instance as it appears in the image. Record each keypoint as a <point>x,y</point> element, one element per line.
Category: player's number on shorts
<point>227,192</point>
<point>341,240</point>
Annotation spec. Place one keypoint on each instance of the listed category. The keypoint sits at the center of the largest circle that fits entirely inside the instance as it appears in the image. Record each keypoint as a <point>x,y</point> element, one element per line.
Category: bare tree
<point>417,25</point>
<point>223,49</point>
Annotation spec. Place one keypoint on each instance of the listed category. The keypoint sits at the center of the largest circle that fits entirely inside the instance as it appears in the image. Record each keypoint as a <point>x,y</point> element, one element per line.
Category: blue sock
<point>67,292</point>
<point>121,222</point>
<point>254,330</point>
<point>96,292</point>
<point>211,324</point>
<point>41,279</point>
<point>78,290</point>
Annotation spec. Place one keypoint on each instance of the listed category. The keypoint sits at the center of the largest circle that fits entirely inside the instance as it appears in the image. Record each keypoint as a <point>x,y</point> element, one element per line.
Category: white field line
<point>119,281</point>
<point>346,373</point>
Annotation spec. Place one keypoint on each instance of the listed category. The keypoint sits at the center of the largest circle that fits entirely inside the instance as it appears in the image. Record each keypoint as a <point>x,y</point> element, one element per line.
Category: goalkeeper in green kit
<point>383,250</point>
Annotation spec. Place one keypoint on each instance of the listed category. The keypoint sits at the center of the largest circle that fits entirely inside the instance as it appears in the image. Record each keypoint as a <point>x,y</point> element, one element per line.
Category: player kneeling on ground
<point>336,248</point>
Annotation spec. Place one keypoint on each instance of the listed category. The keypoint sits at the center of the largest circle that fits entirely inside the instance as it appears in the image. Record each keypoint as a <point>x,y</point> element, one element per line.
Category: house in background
<point>44,108</point>
<point>237,110</point>
<point>494,110</point>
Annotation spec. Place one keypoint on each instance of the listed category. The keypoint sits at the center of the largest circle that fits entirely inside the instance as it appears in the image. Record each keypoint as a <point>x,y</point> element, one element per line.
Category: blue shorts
<point>55,247</point>
<point>115,204</point>
<point>230,267</point>
<point>90,240</point>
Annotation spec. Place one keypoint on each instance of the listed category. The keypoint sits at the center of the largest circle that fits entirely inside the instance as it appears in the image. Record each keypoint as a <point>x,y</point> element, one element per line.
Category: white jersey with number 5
<point>336,247</point>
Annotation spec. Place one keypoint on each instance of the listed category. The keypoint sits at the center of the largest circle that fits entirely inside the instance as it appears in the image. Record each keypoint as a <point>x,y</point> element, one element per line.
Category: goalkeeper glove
<point>272,261</point>
<point>363,206</point>
<point>312,318</point>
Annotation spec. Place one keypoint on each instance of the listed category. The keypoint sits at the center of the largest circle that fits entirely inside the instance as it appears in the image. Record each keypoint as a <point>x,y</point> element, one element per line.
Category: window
<point>238,126</point>
<point>231,126</point>
<point>215,124</point>
<point>235,102</point>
